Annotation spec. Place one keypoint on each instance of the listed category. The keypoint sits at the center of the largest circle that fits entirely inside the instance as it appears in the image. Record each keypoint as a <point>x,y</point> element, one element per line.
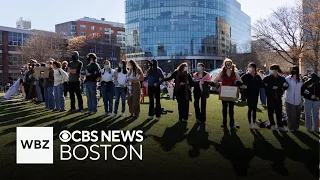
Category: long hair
<point>135,68</point>
<point>224,69</point>
<point>153,67</point>
<point>124,69</point>
<point>253,65</point>
<point>181,67</point>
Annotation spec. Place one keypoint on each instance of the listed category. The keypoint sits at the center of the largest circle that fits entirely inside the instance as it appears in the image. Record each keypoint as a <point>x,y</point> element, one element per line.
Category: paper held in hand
<point>228,93</point>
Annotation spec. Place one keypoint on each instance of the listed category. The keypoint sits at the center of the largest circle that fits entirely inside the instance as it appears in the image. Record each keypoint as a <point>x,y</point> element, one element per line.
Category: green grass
<point>171,150</point>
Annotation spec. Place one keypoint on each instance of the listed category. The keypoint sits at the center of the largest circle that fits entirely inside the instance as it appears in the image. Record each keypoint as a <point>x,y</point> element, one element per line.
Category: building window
<point>93,28</point>
<point>82,33</point>
<point>73,27</point>
<point>0,37</point>
<point>100,28</point>
<point>15,60</point>
<point>107,30</point>
<point>15,39</point>
<point>82,27</point>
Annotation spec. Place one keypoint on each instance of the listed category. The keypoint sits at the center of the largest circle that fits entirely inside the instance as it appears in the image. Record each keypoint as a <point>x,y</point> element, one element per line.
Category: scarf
<point>206,78</point>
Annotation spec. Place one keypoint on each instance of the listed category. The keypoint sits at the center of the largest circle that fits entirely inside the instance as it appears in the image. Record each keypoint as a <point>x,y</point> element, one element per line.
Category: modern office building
<point>173,31</point>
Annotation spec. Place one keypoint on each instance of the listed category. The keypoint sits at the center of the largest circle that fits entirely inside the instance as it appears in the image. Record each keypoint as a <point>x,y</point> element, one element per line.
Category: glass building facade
<point>178,30</point>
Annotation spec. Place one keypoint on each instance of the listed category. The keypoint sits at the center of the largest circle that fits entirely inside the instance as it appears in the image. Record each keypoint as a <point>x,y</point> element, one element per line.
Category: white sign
<point>34,145</point>
<point>229,91</point>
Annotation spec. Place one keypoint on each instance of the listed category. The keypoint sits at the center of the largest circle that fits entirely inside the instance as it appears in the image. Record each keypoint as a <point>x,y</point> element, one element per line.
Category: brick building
<point>10,56</point>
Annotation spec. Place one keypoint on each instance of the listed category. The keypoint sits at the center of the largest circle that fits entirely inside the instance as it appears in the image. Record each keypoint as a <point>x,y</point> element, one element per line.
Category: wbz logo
<point>34,145</point>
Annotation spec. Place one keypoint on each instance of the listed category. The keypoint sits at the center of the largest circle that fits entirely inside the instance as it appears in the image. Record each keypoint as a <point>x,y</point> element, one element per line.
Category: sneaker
<point>251,126</point>
<point>189,114</point>
<point>109,114</point>
<point>158,119</point>
<point>106,114</point>
<point>184,120</point>
<point>310,131</point>
<point>113,115</point>
<point>150,118</point>
<point>282,129</point>
<point>71,111</point>
<point>123,114</point>
<point>234,127</point>
<point>55,110</point>
<point>292,130</point>
<point>273,128</point>
<point>223,125</point>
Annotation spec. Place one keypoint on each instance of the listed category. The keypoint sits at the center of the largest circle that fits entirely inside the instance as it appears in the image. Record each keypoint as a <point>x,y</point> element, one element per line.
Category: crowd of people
<point>125,82</point>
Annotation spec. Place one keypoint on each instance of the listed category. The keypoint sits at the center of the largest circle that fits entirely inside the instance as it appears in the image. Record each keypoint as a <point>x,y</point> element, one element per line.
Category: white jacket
<point>60,76</point>
<point>293,93</point>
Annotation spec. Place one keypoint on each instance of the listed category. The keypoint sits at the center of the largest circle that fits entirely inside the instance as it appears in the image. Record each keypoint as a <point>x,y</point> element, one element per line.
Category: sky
<point>44,14</point>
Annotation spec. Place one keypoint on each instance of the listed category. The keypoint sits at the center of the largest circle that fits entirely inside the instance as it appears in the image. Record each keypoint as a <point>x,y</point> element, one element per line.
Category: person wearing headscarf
<point>275,86</point>
<point>92,75</point>
<point>311,93</point>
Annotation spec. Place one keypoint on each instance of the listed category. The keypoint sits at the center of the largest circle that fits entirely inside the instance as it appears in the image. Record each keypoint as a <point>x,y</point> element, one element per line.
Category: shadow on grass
<point>232,148</point>
<point>172,136</point>
<point>198,138</point>
<point>296,153</point>
<point>263,149</point>
<point>20,117</point>
<point>241,104</point>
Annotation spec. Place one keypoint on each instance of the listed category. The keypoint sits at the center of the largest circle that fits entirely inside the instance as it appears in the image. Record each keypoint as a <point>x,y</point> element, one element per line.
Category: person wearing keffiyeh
<point>202,80</point>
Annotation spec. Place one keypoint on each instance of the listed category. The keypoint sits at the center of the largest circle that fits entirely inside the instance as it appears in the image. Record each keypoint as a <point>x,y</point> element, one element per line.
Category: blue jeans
<point>49,96</point>
<point>107,91</point>
<point>38,89</point>
<point>59,97</point>
<point>91,92</point>
<point>312,123</point>
<point>120,92</point>
<point>263,97</point>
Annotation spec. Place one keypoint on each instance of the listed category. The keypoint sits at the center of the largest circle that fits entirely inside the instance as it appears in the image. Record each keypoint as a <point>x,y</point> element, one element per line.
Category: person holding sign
<point>228,92</point>
<point>74,69</point>
<point>252,84</point>
<point>275,86</point>
<point>183,83</point>
<point>201,79</point>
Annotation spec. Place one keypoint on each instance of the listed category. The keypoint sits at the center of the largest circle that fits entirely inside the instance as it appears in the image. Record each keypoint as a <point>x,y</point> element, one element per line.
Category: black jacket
<point>271,81</point>
<point>309,88</point>
<point>253,83</point>
<point>179,91</point>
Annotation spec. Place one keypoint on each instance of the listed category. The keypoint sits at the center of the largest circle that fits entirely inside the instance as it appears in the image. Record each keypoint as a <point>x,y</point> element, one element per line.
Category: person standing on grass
<point>121,82</point>
<point>135,76</point>
<point>293,100</point>
<point>311,93</point>
<point>154,75</point>
<point>92,75</point>
<point>65,84</point>
<point>74,69</point>
<point>228,77</point>
<point>252,84</point>
<point>275,86</point>
<point>107,87</point>
<point>183,83</point>
<point>60,76</point>
<point>263,97</point>
<point>38,88</point>
<point>48,84</point>
<point>202,79</point>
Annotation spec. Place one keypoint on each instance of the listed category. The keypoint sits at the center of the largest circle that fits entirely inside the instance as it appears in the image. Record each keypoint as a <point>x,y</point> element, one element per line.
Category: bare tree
<point>281,32</point>
<point>76,43</point>
<point>42,46</point>
<point>311,33</point>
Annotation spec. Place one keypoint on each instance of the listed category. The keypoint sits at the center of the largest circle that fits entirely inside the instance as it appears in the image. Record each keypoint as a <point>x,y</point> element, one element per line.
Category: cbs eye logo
<point>65,136</point>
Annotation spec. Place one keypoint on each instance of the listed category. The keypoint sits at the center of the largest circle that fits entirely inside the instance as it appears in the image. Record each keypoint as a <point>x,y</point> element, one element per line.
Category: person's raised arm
<point>238,78</point>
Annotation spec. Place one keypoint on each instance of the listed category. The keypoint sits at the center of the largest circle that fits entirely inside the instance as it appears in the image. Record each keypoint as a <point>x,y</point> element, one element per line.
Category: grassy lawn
<point>171,150</point>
